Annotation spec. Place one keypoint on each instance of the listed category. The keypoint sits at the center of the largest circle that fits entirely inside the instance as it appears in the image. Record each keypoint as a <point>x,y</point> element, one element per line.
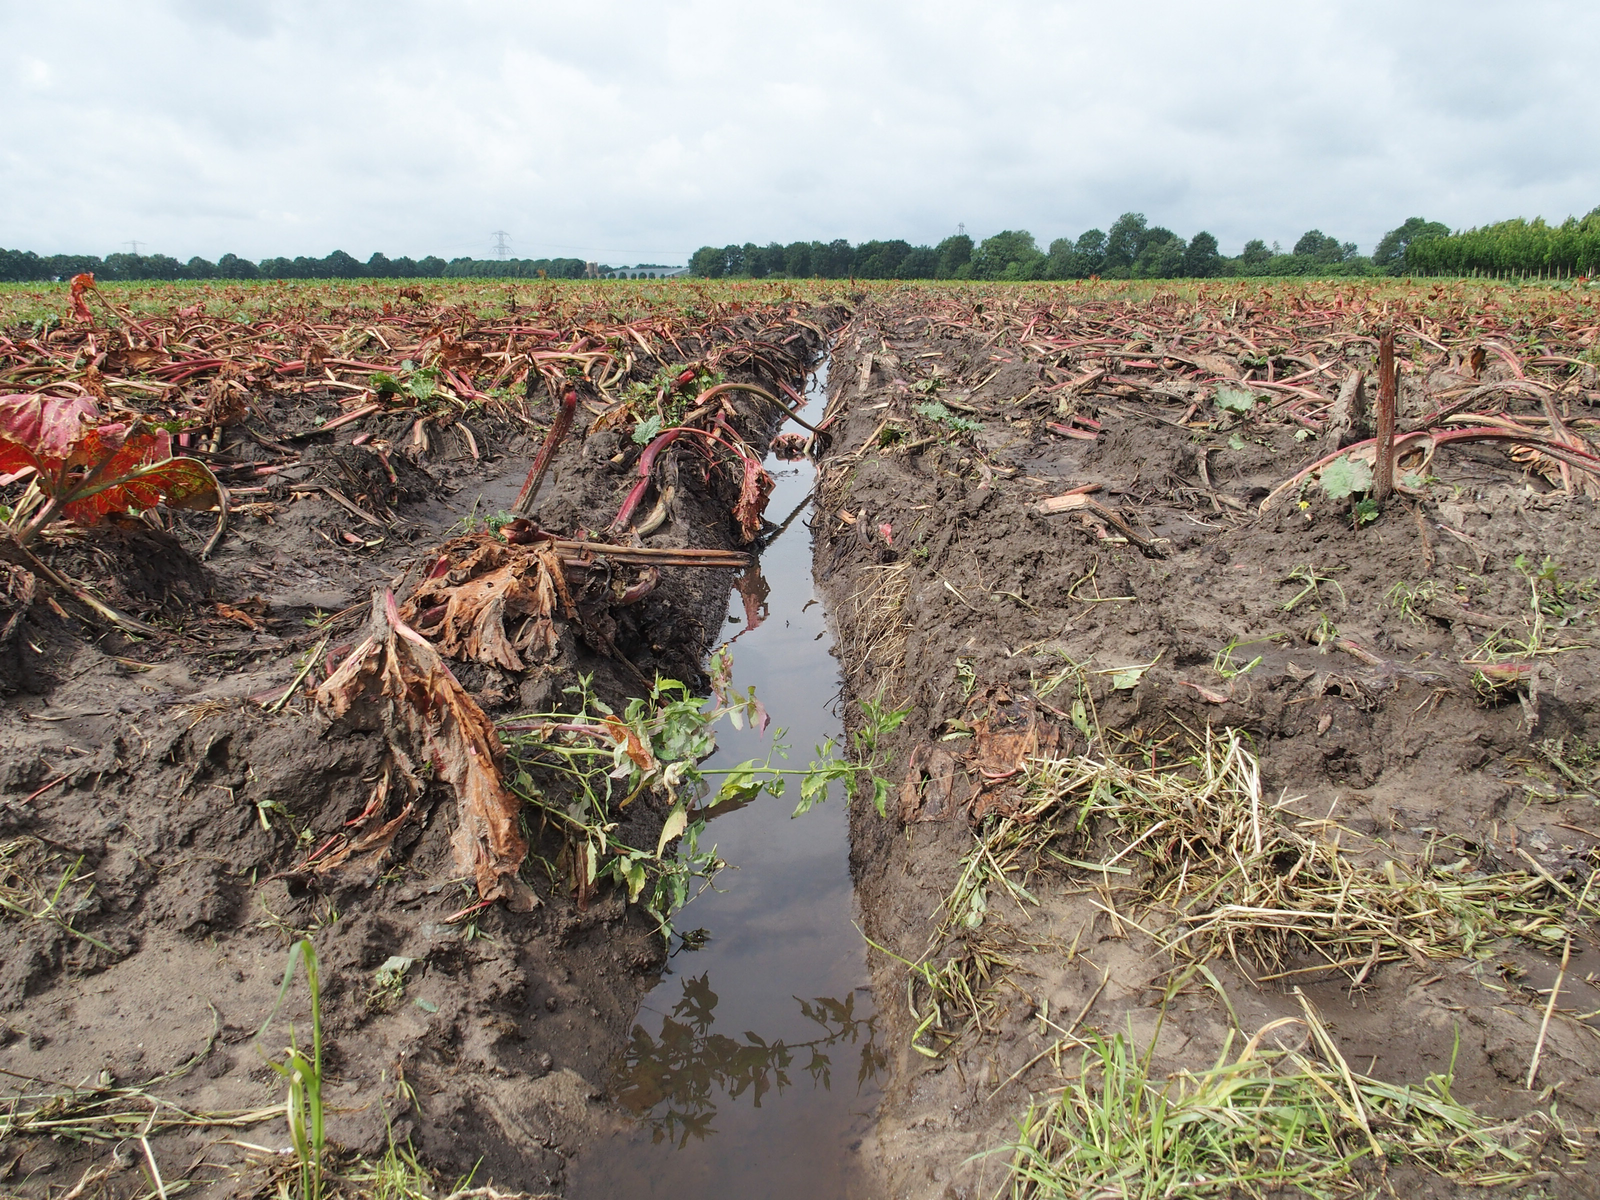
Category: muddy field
<point>1183,759</point>
<point>1418,690</point>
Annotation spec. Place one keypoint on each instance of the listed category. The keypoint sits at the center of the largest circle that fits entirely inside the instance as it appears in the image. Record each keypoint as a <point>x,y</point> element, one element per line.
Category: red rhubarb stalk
<point>558,430</point>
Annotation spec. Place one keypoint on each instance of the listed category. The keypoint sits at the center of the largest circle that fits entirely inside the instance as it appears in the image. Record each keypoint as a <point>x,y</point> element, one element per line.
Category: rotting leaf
<point>497,606</point>
<point>754,488</point>
<point>394,679</point>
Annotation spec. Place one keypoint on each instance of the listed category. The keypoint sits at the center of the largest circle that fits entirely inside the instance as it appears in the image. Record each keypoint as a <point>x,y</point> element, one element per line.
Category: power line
<point>502,243</point>
<point>961,229</point>
<point>135,243</point>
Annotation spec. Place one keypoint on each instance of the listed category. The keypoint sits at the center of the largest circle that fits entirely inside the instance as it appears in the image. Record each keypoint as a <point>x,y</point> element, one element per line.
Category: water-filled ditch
<point>752,1067</point>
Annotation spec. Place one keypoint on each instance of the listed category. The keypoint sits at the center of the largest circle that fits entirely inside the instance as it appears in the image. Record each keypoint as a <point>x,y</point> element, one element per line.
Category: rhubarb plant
<point>83,468</point>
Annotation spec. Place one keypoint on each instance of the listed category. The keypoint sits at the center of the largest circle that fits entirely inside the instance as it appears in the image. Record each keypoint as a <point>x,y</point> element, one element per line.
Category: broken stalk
<point>1383,474</point>
<point>558,430</point>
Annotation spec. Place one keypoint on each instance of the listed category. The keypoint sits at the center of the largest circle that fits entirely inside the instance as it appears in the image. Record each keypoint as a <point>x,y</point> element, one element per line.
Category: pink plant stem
<point>1383,472</point>
<point>558,430</point>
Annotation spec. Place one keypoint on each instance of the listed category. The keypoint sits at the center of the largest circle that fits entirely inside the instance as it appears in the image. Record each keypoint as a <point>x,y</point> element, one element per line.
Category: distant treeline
<point>1513,248</point>
<point>1131,249</point>
<point>24,266</point>
<point>1135,249</point>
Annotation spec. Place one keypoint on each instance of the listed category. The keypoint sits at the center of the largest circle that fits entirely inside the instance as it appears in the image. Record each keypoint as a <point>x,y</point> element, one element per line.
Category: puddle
<point>753,1066</point>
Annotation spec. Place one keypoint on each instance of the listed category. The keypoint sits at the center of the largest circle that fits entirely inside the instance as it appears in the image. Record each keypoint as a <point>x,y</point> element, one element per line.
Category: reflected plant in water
<point>673,1081</point>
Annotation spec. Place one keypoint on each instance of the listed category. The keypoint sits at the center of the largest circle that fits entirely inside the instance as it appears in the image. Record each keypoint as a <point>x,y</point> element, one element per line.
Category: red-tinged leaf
<point>44,426</point>
<point>754,489</point>
<point>89,470</point>
<point>81,284</point>
<point>175,482</point>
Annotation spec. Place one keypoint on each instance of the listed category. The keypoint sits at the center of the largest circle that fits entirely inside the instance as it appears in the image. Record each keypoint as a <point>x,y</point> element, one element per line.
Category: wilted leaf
<point>80,284</point>
<point>1128,677</point>
<point>497,606</point>
<point>393,970</point>
<point>677,822</point>
<point>1345,475</point>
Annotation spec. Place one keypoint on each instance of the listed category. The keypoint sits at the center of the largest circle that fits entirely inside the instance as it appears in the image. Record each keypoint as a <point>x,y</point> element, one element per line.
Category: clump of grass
<point>1231,872</point>
<point>28,893</point>
<point>878,644</point>
<point>1267,1121</point>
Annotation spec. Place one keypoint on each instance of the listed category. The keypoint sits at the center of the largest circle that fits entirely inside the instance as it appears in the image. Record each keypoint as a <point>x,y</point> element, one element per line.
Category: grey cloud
<point>648,129</point>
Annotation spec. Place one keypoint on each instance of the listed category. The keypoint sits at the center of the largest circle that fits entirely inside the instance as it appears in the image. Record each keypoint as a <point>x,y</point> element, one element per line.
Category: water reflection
<point>674,1081</point>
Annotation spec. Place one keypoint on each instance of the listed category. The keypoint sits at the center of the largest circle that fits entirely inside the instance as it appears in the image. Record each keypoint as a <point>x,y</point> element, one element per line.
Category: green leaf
<point>384,383</point>
<point>741,785</point>
<point>1235,399</point>
<point>1235,442</point>
<point>647,430</point>
<point>423,384</point>
<point>880,795</point>
<point>1345,475</point>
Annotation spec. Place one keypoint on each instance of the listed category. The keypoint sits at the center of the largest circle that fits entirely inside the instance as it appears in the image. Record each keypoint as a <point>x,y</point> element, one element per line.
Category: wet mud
<point>162,797</point>
<point>1344,652</point>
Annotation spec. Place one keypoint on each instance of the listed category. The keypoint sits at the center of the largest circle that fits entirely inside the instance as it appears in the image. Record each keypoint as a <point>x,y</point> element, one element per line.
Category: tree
<point>706,262</point>
<point>1010,254</point>
<point>231,266</point>
<point>836,260</point>
<point>797,260</point>
<point>1161,255</point>
<point>1390,254</point>
<point>921,263</point>
<point>1202,260</point>
<point>340,265</point>
<point>1255,254</point>
<point>1125,241</point>
<point>955,257</point>
<point>1060,262</point>
<point>1319,247</point>
<point>881,260</point>
<point>1090,254</point>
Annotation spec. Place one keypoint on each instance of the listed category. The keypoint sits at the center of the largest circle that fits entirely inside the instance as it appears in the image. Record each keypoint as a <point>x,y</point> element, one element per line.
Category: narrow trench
<point>753,1066</point>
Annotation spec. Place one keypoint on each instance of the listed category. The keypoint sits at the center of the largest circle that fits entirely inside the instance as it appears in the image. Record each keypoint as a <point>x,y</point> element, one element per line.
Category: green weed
<point>304,1076</point>
<point>1265,1122</point>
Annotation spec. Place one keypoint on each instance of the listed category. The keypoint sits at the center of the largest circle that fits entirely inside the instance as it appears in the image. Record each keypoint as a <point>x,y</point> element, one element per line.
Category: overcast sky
<point>627,131</point>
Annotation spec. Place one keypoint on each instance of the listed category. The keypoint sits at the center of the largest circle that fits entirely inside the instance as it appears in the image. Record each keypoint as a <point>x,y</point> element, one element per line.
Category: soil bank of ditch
<point>1345,655</point>
<point>162,812</point>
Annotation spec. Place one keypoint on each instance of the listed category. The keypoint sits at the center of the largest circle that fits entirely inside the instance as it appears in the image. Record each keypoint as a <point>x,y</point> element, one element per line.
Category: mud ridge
<point>958,597</point>
<point>163,781</point>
